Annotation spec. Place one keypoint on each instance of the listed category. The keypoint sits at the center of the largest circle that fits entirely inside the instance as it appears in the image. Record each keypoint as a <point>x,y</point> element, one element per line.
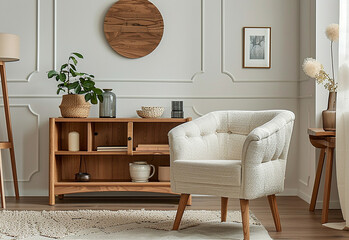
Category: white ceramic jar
<point>140,171</point>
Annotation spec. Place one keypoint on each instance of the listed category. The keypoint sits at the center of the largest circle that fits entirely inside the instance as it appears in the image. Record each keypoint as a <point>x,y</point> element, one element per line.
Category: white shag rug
<point>124,224</point>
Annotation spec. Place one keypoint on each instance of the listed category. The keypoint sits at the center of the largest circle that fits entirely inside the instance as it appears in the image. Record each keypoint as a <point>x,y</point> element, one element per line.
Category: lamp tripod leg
<point>8,126</point>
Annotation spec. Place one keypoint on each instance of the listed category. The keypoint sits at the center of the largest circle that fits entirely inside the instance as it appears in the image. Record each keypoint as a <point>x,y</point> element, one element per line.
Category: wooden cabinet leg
<point>328,178</point>
<point>224,209</point>
<point>181,207</point>
<point>52,163</point>
<point>244,204</point>
<point>317,180</point>
<point>52,199</point>
<point>2,187</point>
<point>275,212</point>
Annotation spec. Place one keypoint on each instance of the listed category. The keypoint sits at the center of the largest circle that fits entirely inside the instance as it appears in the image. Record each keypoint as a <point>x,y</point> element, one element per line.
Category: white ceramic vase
<point>140,171</point>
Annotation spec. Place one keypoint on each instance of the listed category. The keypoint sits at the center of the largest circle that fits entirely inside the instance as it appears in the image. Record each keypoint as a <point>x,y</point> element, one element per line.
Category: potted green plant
<point>79,88</point>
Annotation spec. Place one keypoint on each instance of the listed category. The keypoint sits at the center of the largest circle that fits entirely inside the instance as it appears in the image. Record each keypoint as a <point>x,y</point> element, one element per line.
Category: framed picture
<point>256,47</point>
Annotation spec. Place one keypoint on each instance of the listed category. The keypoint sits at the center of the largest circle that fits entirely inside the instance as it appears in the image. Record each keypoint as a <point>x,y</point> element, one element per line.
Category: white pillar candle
<point>73,141</point>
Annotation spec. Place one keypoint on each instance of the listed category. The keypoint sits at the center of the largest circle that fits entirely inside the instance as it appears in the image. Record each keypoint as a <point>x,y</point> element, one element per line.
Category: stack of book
<point>153,147</point>
<point>112,148</point>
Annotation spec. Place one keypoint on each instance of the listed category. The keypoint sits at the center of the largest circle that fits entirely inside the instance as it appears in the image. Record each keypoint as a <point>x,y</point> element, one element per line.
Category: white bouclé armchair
<point>231,154</point>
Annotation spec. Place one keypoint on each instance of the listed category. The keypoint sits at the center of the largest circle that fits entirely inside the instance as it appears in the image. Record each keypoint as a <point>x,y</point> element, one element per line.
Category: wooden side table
<point>326,141</point>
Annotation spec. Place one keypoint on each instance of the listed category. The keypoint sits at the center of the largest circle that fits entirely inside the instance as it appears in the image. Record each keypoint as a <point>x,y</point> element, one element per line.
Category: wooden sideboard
<point>109,170</point>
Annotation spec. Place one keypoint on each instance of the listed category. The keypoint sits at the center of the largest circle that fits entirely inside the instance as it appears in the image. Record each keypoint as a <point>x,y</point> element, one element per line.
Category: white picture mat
<point>256,62</point>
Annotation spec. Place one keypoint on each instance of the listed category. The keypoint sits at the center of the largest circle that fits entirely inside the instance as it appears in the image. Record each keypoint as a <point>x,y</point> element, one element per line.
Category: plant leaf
<point>100,98</point>
<point>62,77</point>
<point>88,84</point>
<point>59,90</point>
<point>78,89</point>
<point>88,97</point>
<point>98,91</point>
<point>52,73</point>
<point>73,67</point>
<point>94,99</point>
<point>78,55</point>
<point>74,60</point>
<point>73,85</point>
<point>64,66</point>
<point>72,72</point>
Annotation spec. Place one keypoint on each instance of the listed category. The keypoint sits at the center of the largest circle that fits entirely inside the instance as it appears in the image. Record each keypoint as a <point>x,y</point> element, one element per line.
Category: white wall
<point>198,61</point>
<point>315,17</point>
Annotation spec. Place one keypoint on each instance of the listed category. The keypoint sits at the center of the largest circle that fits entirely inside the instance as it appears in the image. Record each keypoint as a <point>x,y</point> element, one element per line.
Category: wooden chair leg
<point>224,209</point>
<point>181,207</point>
<point>327,191</point>
<point>189,201</point>
<point>2,187</point>
<point>245,218</point>
<point>275,212</point>
<point>317,180</point>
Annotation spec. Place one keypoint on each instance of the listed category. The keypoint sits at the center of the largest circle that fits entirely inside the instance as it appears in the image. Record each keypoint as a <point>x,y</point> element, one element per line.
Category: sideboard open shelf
<point>109,170</point>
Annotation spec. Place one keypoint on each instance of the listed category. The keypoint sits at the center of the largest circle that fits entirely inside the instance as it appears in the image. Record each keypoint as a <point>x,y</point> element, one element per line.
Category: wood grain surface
<point>133,28</point>
<point>109,171</point>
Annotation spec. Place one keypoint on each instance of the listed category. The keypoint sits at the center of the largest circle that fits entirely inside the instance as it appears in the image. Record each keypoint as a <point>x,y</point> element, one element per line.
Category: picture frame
<point>256,47</point>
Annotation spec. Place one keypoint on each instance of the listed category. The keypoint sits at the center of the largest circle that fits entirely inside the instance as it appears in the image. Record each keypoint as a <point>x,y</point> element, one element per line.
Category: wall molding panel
<point>27,160</point>
<point>152,80</point>
<point>223,55</point>
<point>37,46</point>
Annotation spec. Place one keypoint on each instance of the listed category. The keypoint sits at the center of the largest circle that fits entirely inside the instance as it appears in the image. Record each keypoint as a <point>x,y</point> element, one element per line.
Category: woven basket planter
<point>74,106</point>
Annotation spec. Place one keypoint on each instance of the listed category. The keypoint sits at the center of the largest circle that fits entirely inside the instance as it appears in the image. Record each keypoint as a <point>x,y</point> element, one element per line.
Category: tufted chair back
<point>220,134</point>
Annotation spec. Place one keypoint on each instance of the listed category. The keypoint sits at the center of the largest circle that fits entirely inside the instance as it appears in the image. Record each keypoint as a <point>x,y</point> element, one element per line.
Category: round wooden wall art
<point>133,28</point>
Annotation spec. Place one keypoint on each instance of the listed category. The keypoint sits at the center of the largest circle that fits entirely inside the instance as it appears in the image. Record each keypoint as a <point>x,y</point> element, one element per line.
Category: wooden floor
<point>297,222</point>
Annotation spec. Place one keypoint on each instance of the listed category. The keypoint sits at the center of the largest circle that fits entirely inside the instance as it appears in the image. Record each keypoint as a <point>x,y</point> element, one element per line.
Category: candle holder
<point>177,109</point>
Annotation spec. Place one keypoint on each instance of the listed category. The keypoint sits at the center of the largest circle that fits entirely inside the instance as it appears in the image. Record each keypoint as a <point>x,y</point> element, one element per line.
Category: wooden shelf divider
<point>130,138</point>
<point>104,166</point>
<point>89,137</point>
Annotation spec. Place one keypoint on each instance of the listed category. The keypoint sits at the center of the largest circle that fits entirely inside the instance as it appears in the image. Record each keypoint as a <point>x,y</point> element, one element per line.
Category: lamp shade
<point>9,47</point>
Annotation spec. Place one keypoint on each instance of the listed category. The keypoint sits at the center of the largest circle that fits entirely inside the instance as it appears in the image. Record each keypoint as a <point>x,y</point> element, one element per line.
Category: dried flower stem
<point>332,60</point>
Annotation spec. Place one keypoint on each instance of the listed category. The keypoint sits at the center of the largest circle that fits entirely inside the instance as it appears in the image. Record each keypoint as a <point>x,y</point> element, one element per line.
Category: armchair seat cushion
<point>220,172</point>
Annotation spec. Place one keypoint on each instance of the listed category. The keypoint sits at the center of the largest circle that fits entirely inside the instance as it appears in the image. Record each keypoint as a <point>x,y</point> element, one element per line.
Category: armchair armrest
<point>269,141</point>
<point>264,157</point>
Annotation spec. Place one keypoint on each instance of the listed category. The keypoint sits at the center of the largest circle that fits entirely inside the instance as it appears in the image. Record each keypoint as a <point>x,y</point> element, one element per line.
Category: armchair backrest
<point>218,135</point>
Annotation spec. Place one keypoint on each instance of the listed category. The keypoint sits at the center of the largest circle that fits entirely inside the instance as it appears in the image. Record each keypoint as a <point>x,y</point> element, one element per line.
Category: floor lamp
<point>9,52</point>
